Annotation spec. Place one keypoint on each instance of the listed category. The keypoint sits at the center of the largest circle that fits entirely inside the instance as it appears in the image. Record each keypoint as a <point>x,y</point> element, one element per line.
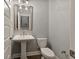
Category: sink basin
<point>23,37</point>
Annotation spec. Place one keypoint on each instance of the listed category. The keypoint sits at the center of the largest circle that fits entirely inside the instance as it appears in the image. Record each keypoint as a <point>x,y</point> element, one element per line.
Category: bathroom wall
<point>59,26</point>
<point>40,17</point>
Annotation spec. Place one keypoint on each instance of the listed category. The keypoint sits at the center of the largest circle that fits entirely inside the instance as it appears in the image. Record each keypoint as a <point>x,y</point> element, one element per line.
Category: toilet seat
<point>47,52</point>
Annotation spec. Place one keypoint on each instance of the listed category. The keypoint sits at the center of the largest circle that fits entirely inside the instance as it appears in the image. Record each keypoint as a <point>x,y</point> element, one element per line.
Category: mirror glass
<point>24,25</point>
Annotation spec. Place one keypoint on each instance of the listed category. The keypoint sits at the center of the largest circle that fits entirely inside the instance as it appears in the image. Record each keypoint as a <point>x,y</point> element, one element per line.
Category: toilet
<point>45,51</point>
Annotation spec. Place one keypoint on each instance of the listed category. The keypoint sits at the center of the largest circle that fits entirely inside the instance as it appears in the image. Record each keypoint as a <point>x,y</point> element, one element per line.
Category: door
<point>7,41</point>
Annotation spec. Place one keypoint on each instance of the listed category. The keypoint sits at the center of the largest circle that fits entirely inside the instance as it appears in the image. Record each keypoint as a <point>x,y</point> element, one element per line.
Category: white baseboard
<point>16,55</point>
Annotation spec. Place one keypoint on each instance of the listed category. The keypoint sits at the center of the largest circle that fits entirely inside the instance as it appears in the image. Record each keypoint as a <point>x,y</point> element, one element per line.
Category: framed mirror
<point>25,20</point>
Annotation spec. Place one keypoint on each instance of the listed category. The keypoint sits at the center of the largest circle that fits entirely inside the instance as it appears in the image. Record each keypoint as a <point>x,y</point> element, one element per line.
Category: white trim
<point>7,3</point>
<point>5,50</point>
<point>6,39</point>
<point>18,21</point>
<point>16,55</point>
<point>9,57</point>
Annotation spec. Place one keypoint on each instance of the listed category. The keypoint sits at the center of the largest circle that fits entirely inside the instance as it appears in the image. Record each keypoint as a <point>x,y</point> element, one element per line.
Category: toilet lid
<point>48,52</point>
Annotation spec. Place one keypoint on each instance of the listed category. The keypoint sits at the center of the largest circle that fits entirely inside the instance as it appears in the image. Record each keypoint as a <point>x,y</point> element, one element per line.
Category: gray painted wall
<point>59,23</point>
<point>40,17</point>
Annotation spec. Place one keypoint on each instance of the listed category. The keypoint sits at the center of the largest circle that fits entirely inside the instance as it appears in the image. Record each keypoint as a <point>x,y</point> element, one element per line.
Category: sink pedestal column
<point>23,50</point>
<point>23,39</point>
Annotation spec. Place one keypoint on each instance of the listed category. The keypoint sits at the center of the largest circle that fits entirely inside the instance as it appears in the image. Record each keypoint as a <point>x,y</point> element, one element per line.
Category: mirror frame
<point>30,14</point>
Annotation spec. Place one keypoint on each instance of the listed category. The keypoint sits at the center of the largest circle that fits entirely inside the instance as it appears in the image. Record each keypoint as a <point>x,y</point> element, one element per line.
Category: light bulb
<point>20,7</point>
<point>10,6</point>
<point>27,2</point>
<point>26,8</point>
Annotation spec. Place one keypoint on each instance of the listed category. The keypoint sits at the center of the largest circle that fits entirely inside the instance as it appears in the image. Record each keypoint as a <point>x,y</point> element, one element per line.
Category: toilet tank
<point>42,42</point>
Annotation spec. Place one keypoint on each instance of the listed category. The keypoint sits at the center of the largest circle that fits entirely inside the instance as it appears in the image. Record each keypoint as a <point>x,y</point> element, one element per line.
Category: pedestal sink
<point>23,39</point>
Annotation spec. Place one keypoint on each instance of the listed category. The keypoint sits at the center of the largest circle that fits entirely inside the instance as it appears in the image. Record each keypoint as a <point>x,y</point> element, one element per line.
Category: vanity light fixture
<point>20,5</point>
<point>26,2</point>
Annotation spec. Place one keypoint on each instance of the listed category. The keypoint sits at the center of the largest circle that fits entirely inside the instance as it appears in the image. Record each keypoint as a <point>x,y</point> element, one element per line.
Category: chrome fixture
<point>27,2</point>
<point>23,4</point>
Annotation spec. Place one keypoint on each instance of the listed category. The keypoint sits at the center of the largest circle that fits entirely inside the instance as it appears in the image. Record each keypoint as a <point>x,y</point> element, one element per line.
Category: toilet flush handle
<point>63,52</point>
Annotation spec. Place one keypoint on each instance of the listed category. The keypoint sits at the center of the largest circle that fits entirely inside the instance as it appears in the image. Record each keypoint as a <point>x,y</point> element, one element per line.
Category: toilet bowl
<point>45,51</point>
